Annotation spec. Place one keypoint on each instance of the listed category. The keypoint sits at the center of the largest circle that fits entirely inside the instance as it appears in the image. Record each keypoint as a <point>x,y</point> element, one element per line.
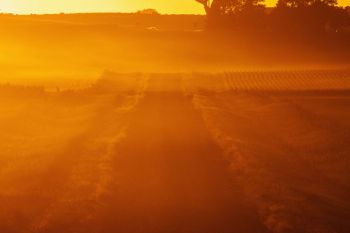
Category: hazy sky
<point>54,6</point>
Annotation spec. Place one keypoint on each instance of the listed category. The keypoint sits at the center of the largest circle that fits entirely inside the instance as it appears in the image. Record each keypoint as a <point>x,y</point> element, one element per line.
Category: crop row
<point>274,80</point>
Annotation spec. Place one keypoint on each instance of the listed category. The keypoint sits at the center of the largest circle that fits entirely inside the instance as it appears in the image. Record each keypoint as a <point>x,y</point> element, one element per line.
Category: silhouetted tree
<point>309,16</point>
<point>304,3</point>
<point>230,13</point>
<point>224,7</point>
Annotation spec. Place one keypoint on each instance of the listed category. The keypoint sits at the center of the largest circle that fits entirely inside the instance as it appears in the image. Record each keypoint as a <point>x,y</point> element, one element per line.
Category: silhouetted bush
<point>243,14</point>
<point>148,12</point>
<point>306,16</point>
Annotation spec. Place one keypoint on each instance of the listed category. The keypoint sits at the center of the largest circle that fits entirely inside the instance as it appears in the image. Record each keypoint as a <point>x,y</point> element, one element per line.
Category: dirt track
<point>165,175</point>
<point>171,176</point>
<point>155,153</point>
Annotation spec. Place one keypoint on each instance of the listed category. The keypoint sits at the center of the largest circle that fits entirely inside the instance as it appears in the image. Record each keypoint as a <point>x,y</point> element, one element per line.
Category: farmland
<point>262,151</point>
<point>150,123</point>
<point>71,51</point>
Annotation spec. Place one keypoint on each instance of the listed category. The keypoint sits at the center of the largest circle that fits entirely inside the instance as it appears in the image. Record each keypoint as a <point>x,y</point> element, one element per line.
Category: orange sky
<point>68,6</point>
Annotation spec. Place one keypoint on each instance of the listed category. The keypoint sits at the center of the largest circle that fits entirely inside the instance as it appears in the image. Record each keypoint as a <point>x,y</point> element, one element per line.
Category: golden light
<point>68,6</point>
<point>7,6</point>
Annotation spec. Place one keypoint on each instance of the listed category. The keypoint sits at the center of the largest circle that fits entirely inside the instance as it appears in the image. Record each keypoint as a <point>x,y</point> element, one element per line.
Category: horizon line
<point>95,12</point>
<point>120,12</point>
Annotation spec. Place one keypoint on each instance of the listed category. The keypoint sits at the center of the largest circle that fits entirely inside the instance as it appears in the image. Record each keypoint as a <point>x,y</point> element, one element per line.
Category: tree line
<point>288,15</point>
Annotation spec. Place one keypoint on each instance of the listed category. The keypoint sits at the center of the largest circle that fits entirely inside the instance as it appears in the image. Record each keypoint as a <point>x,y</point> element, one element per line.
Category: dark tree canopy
<point>304,3</point>
<point>290,15</point>
<point>309,16</point>
<point>224,7</point>
<point>234,13</point>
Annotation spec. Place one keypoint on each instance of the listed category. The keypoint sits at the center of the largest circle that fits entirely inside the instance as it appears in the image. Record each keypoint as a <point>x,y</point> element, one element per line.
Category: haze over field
<point>175,123</point>
<point>191,153</point>
<point>33,50</point>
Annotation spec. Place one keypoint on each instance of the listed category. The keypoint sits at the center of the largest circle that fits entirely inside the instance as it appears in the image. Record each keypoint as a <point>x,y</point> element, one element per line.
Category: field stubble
<point>285,135</point>
<point>287,138</point>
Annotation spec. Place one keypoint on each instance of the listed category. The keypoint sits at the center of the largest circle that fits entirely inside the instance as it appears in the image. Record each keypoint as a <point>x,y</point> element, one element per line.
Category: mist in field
<point>73,50</point>
<point>152,123</point>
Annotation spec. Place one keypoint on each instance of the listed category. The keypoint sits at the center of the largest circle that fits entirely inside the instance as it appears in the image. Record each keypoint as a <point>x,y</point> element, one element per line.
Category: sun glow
<point>68,6</point>
<point>7,6</point>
